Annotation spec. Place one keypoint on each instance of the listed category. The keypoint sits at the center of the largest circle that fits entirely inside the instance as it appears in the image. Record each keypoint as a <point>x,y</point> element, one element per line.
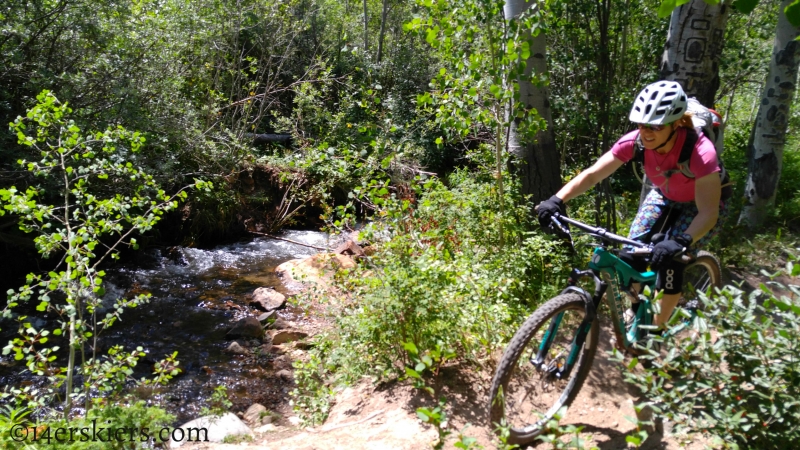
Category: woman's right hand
<point>547,208</point>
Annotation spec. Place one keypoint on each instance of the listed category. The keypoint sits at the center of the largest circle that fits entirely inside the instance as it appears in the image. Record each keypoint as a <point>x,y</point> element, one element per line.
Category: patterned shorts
<point>682,214</point>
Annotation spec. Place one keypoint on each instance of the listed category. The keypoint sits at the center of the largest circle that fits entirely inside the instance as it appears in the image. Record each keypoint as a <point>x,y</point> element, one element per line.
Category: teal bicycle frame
<point>607,270</point>
<point>619,273</point>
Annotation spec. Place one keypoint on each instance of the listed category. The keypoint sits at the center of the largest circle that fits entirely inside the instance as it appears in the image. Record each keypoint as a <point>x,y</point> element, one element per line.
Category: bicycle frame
<point>606,270</point>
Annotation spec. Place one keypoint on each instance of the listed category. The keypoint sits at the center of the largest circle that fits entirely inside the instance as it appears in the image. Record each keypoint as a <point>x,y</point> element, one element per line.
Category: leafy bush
<point>143,421</point>
<point>90,201</point>
<point>738,377</point>
<point>441,278</point>
<point>311,398</point>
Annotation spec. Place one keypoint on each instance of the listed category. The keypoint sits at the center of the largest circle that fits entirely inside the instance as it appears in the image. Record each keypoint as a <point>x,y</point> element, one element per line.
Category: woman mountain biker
<point>663,125</point>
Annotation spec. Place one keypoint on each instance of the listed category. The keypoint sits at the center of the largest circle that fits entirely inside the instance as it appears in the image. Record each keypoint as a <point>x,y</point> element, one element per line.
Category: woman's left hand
<point>668,249</point>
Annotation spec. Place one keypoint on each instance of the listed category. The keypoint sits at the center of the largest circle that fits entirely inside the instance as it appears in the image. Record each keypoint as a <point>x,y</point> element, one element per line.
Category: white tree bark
<point>767,139</point>
<point>536,161</point>
<point>694,45</point>
<point>692,52</point>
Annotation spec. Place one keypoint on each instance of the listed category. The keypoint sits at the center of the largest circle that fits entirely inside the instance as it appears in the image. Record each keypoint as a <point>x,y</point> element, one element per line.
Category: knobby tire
<point>540,320</point>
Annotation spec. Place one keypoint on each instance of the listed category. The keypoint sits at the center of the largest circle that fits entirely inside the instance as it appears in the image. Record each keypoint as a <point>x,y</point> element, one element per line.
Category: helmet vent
<point>659,103</point>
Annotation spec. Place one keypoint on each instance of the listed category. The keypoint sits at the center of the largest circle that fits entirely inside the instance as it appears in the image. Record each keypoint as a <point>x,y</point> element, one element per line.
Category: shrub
<point>738,377</point>
<point>441,277</point>
<point>89,201</point>
<point>141,424</point>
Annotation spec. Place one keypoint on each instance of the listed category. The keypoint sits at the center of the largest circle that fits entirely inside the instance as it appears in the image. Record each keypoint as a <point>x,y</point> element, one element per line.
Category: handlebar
<point>605,235</point>
<point>601,233</point>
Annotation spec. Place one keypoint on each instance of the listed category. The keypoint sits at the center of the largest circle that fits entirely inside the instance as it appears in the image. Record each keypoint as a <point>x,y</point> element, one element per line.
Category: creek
<point>197,295</point>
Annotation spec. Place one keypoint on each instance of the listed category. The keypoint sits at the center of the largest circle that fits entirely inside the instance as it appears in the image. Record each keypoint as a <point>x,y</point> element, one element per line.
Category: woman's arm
<point>585,180</point>
<point>707,193</point>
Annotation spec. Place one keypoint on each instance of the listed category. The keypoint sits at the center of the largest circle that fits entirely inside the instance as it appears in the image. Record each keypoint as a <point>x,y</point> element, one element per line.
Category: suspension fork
<point>583,330</point>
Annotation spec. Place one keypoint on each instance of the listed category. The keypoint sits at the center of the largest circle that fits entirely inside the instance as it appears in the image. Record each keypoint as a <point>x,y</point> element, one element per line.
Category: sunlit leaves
<point>793,13</point>
<point>103,199</point>
<point>668,5</point>
<point>480,80</point>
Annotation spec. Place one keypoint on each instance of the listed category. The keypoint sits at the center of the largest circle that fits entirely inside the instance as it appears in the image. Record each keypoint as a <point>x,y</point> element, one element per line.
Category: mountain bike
<point>549,357</point>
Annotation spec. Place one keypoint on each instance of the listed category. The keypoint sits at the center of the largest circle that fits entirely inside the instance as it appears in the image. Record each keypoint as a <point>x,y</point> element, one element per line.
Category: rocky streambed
<point>224,311</point>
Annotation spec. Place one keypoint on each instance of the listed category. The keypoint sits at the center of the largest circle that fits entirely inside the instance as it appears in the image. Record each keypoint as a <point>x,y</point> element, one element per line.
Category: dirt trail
<point>383,417</point>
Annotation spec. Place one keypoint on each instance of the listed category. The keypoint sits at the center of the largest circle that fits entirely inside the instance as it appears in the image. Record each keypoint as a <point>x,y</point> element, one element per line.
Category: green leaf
<point>793,13</point>
<point>745,6</point>
<point>410,348</point>
<point>666,7</point>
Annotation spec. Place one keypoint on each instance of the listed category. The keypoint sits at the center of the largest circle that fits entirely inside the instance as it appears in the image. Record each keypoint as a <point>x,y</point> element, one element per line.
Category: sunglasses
<point>652,127</point>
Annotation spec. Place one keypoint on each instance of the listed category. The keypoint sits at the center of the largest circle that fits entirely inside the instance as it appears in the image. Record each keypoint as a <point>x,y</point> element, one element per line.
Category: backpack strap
<point>638,149</point>
<point>692,136</point>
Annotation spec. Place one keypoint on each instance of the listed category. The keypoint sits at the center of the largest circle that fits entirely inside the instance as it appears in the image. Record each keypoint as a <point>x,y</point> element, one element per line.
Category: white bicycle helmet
<point>660,103</point>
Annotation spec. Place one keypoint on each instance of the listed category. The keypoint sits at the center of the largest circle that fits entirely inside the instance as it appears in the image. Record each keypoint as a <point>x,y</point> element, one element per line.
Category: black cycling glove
<point>547,208</point>
<point>667,249</point>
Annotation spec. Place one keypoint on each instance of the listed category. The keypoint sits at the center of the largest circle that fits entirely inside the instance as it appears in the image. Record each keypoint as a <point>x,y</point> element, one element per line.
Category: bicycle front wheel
<point>530,386</point>
<point>702,273</point>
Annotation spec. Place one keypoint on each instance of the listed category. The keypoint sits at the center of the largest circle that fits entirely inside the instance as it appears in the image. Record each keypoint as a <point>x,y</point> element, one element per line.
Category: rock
<point>277,350</point>
<point>266,348</point>
<point>217,428</point>
<point>279,324</point>
<point>285,375</point>
<point>267,317</point>
<point>267,299</point>
<point>314,271</point>
<point>266,428</point>
<point>284,336</point>
<point>282,362</point>
<point>236,349</point>
<point>175,255</point>
<point>294,420</point>
<point>350,248</point>
<point>254,413</point>
<point>249,327</point>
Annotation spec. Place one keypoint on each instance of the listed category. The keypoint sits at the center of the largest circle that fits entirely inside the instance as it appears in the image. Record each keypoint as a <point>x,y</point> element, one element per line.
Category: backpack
<point>706,121</point>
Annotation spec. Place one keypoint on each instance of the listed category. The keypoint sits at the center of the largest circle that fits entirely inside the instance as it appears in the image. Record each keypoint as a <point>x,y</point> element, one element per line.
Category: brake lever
<point>560,226</point>
<point>554,221</point>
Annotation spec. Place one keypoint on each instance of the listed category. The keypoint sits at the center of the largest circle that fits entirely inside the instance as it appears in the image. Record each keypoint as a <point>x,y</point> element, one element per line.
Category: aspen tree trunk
<point>536,161</point>
<point>767,139</point>
<point>694,45</point>
<point>366,22</point>
<point>692,52</point>
<point>382,33</point>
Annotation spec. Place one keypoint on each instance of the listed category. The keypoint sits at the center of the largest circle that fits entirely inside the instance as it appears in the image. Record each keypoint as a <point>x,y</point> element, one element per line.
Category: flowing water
<point>196,296</point>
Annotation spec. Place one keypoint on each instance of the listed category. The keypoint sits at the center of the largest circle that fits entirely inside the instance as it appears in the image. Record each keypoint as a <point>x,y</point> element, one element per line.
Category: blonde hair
<point>685,121</point>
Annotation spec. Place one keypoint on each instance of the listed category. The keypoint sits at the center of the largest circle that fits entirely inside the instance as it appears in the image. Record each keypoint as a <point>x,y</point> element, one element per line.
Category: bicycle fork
<point>579,339</point>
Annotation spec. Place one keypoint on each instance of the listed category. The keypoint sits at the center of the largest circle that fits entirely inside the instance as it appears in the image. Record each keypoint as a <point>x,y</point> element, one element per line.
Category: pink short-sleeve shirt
<point>677,187</point>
